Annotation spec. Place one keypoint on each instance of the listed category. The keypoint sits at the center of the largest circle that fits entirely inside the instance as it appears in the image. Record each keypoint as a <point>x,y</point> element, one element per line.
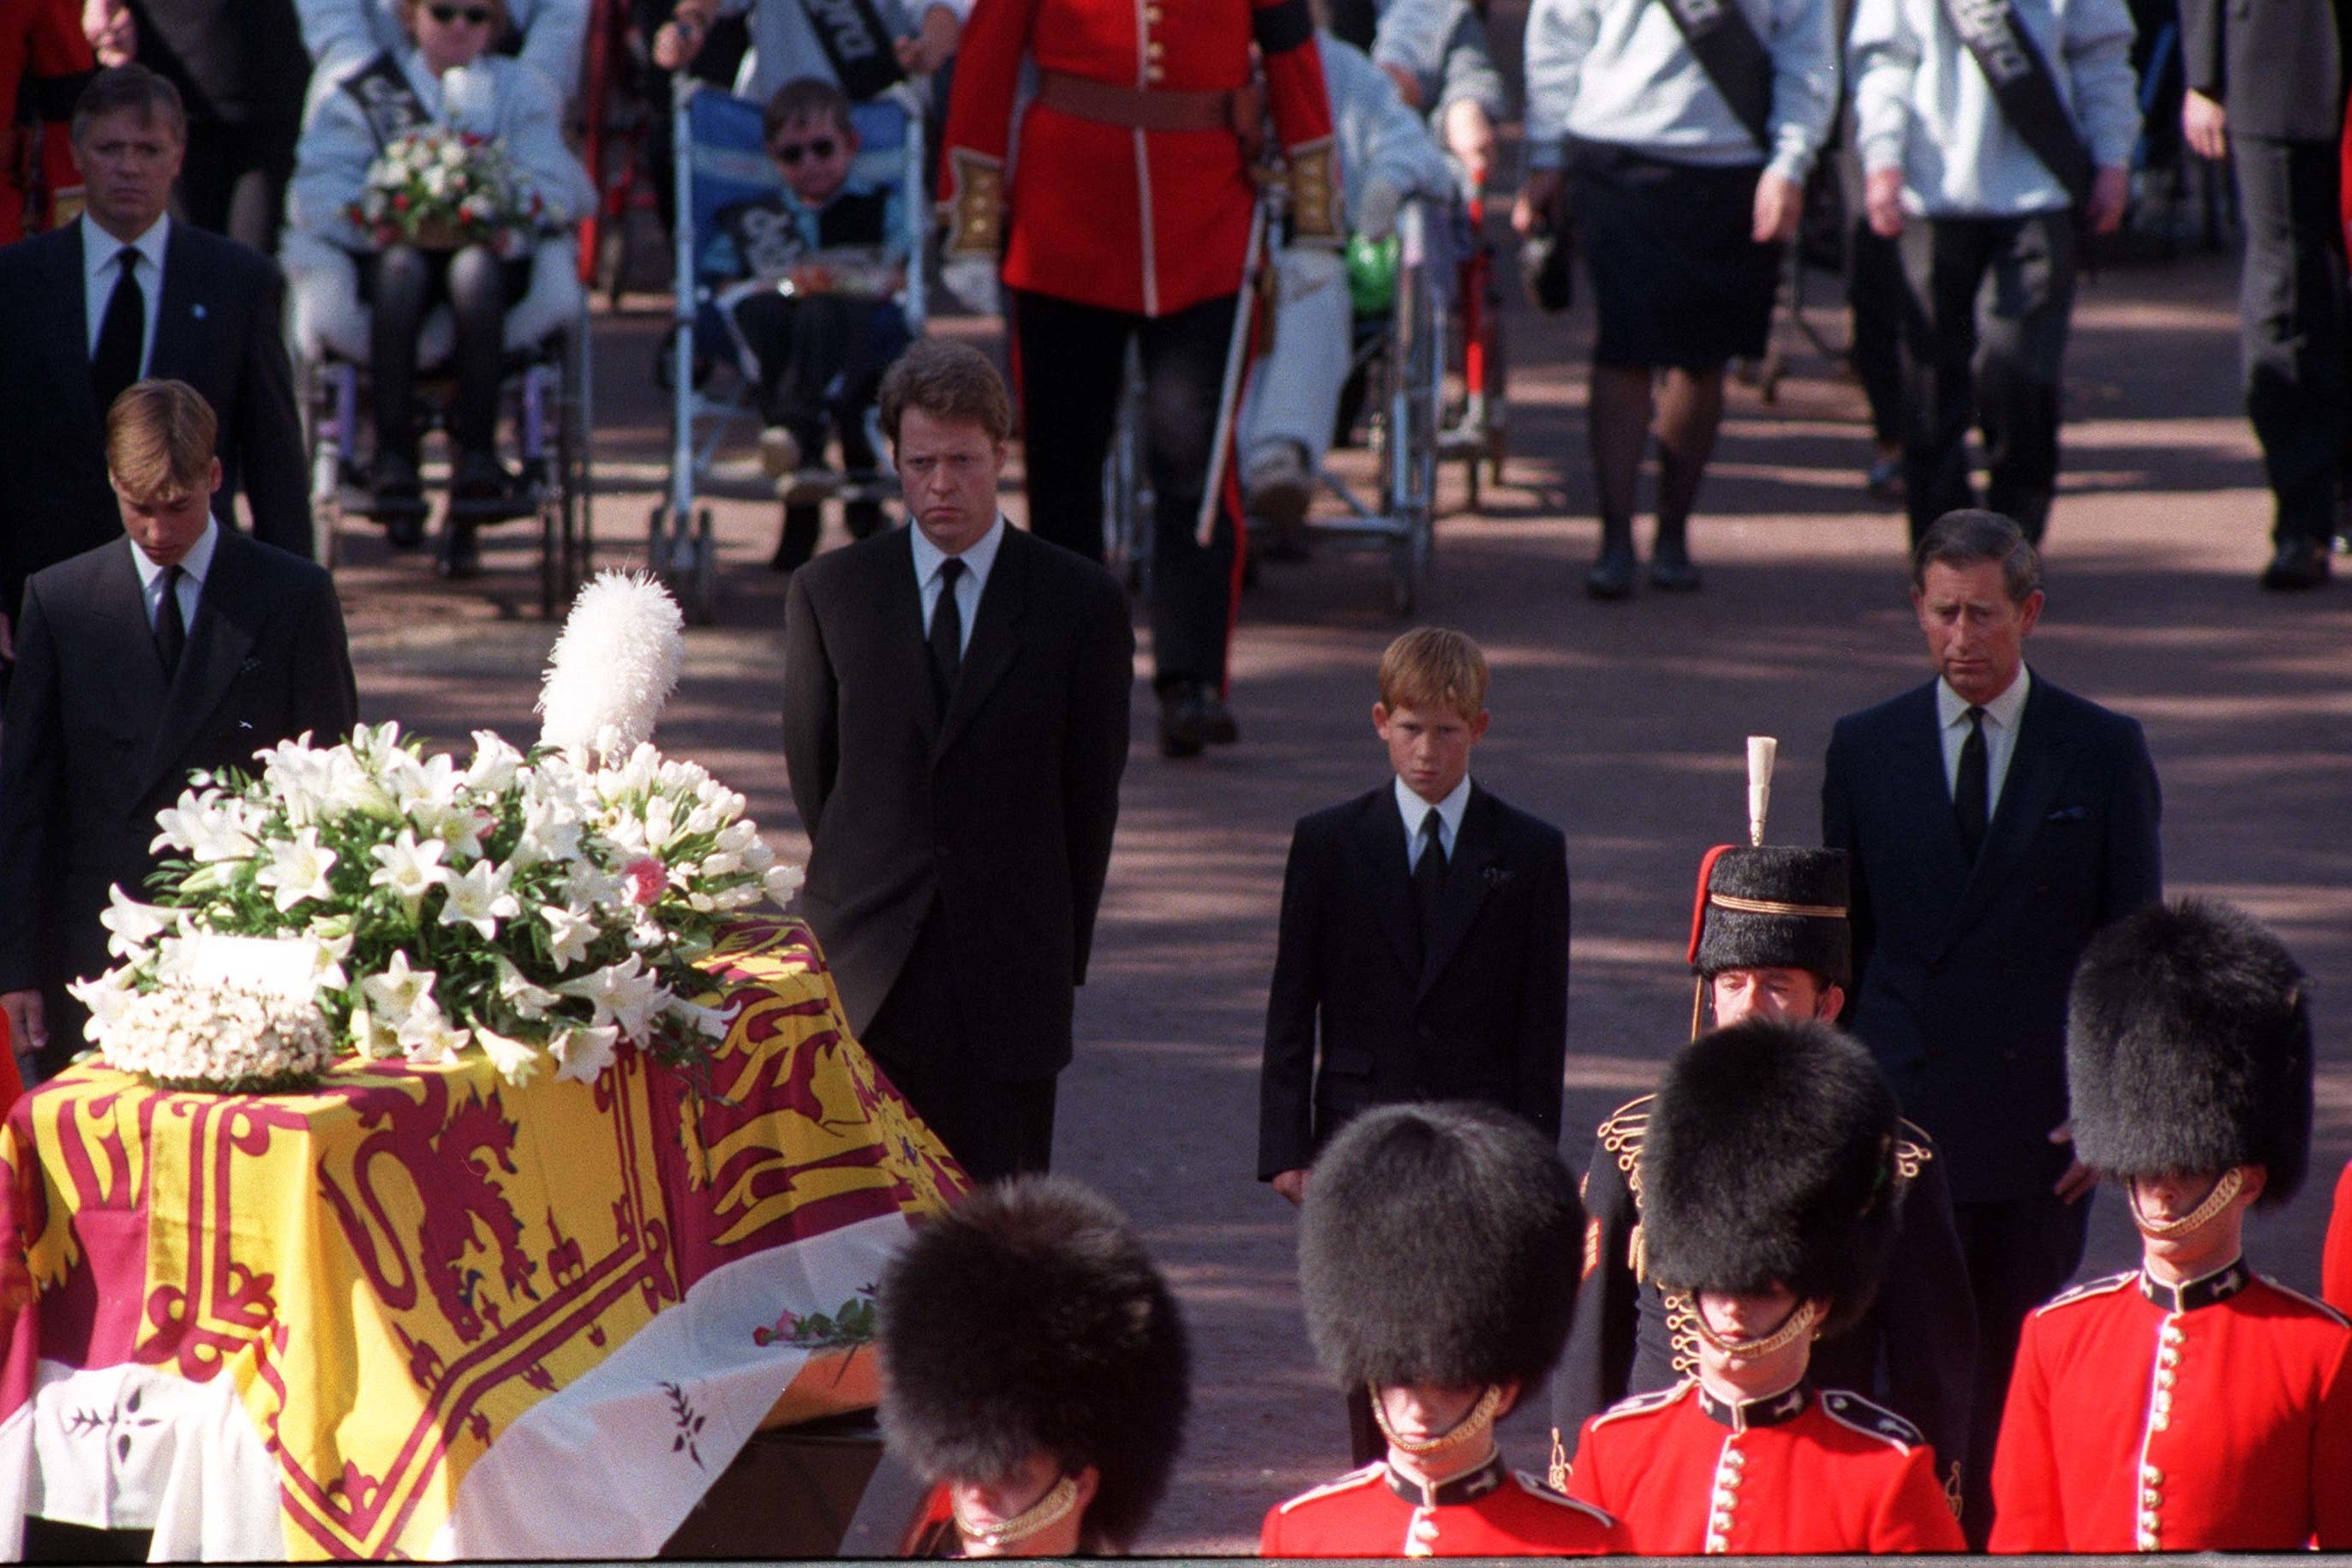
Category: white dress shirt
<point>194,565</point>
<point>2001,716</point>
<point>1415,811</point>
<point>99,272</point>
<point>977,562</point>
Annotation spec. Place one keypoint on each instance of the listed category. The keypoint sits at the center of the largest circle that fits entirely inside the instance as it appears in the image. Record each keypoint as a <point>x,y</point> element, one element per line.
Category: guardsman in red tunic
<point>2336,1253</point>
<point>1769,1212</point>
<point>2189,1404</point>
<point>1437,1262</point>
<point>1033,1372</point>
<point>1126,216</point>
<point>45,62</point>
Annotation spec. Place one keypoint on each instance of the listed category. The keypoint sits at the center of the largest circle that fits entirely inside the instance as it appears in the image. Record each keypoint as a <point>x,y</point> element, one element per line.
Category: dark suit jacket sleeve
<point>1597,1364</point>
<point>30,751</point>
<point>1929,1320</point>
<point>2201,24</point>
<point>271,466</point>
<point>1543,1006</point>
<point>1094,756</point>
<point>1286,1125</point>
<point>1839,831</point>
<point>811,716</point>
<point>2135,855</point>
<point>326,698</point>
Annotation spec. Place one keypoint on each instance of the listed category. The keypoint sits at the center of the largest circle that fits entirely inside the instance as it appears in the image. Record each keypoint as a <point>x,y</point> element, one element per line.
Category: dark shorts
<point>1676,281</point>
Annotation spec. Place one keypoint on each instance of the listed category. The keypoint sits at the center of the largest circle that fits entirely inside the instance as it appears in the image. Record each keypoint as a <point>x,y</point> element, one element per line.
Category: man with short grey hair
<point>1994,824</point>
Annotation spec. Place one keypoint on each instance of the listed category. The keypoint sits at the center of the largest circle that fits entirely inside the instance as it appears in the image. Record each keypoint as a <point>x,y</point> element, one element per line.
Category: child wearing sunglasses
<point>396,305</point>
<point>821,259</point>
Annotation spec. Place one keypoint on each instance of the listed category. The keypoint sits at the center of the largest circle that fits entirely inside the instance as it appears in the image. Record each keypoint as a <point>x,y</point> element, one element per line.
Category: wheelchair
<point>544,393</point>
<point>720,159</point>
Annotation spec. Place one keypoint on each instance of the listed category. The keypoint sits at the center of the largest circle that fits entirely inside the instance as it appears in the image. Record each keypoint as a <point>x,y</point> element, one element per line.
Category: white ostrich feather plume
<point>617,661</point>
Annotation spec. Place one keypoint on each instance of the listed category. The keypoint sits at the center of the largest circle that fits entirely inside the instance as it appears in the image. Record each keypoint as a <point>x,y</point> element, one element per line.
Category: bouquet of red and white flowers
<point>440,189</point>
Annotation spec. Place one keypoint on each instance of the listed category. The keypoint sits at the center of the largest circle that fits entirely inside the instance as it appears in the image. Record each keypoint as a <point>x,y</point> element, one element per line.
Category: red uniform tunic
<point>2335,1257</point>
<point>1147,222</point>
<point>1493,1511</point>
<point>43,52</point>
<point>2216,1416</point>
<point>1807,1470</point>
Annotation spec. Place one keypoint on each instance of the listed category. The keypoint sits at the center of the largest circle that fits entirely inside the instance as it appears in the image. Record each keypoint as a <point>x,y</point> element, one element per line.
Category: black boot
<point>1611,576</point>
<point>1671,571</point>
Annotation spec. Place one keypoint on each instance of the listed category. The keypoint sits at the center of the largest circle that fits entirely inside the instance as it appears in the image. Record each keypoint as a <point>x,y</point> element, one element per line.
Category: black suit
<point>2277,65</point>
<point>97,743</point>
<point>1963,969</point>
<point>957,860</point>
<point>1484,1017</point>
<point>216,328</point>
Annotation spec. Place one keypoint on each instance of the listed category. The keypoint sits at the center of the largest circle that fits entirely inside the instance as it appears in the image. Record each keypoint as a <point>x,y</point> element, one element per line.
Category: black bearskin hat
<point>1769,1159</point>
<point>1806,930</point>
<point>1027,1317</point>
<point>1440,1245</point>
<point>2188,1048</point>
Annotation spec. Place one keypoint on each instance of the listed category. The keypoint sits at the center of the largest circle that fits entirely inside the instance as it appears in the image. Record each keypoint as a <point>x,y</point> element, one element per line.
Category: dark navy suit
<point>1962,969</point>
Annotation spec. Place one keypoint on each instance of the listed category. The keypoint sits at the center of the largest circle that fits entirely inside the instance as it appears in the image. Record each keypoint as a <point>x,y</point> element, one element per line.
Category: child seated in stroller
<point>814,315</point>
<point>396,298</point>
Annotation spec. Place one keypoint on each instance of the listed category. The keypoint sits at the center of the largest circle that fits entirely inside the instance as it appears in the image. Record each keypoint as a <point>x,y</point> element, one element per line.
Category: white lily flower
<point>585,1051</point>
<point>133,924</point>
<point>426,1038</point>
<point>297,868</point>
<point>477,897</point>
<point>372,1037</point>
<point>783,881</point>
<point>327,955</point>
<point>626,993</point>
<point>569,935</point>
<point>710,1021</point>
<point>400,991</point>
<point>492,771</point>
<point>409,868</point>
<point>106,996</point>
<point>517,1060</point>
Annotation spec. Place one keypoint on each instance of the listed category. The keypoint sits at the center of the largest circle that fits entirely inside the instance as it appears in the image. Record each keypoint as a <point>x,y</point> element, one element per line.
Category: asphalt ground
<point>1622,722</point>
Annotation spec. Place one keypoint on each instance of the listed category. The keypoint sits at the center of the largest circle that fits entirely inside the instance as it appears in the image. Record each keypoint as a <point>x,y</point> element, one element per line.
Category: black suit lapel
<point>66,326</point>
<point>1379,833</point>
<point>177,311</point>
<point>995,639</point>
<point>1916,766</point>
<point>2027,790</point>
<point>228,615</point>
<point>899,602</point>
<point>1465,886</point>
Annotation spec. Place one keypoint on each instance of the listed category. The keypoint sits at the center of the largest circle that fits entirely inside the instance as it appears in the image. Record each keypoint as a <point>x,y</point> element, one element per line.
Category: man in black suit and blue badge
<point>1994,824</point>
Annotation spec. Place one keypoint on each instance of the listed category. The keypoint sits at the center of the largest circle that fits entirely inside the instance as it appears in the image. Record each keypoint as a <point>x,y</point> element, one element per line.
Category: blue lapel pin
<point>199,313</point>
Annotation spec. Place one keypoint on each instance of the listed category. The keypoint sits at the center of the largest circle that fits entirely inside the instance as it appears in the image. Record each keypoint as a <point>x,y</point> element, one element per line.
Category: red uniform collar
<point>2218,1285</point>
<point>1742,1413</point>
<point>1468,1487</point>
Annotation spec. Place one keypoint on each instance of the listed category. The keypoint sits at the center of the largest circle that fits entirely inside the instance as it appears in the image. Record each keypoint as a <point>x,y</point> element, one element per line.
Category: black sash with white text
<point>390,105</point>
<point>1734,58</point>
<point>2023,87</point>
<point>858,45</point>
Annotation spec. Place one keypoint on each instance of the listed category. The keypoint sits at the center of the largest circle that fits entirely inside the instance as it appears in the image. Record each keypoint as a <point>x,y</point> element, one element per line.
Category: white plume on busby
<point>617,660</point>
<point>2189,1048</point>
<point>1027,1319</point>
<point>1770,1160</point>
<point>1440,1244</point>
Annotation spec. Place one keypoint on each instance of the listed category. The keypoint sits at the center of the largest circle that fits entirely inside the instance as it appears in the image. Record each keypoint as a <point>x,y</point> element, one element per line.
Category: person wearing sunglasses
<point>398,305</point>
<point>822,260</point>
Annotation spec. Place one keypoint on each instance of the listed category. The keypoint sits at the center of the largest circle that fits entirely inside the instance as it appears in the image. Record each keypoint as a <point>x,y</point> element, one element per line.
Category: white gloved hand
<point>972,281</point>
<point>1375,212</point>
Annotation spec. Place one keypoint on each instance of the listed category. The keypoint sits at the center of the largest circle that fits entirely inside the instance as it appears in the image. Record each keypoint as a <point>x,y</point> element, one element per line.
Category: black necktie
<point>1428,878</point>
<point>115,364</point>
<point>1972,791</point>
<point>171,631</point>
<point>947,628</point>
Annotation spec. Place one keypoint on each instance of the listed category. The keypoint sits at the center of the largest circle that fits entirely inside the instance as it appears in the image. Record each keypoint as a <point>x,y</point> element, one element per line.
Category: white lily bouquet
<point>442,188</point>
<point>543,908</point>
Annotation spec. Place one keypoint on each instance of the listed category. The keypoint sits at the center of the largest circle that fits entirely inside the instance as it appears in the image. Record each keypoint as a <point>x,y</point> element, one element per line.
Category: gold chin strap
<point>1799,1326</point>
<point>1775,906</point>
<point>2225,1193</point>
<point>1469,1429</point>
<point>1048,1512</point>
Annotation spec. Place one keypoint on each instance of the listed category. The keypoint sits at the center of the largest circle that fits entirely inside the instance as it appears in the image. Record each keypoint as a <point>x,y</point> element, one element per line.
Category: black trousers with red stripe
<point>1070,358</point>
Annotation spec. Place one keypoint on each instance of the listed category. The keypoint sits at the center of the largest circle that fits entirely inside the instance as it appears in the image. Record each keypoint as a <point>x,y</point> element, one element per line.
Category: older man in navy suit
<point>1995,822</point>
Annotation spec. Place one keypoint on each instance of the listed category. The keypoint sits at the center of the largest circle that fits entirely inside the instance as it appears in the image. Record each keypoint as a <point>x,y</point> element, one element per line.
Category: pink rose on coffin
<point>646,878</point>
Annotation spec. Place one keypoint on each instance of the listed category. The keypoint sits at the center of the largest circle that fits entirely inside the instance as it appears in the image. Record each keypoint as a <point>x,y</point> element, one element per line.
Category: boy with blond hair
<point>1423,946</point>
